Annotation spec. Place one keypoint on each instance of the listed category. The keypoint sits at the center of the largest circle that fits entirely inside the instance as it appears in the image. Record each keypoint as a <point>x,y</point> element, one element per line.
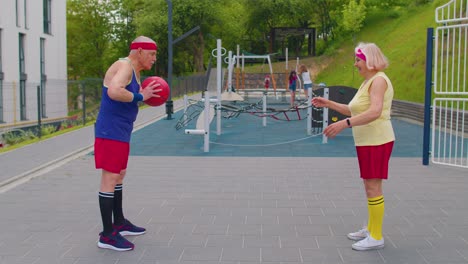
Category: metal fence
<point>22,106</point>
<point>188,85</point>
<point>450,106</point>
<point>84,96</point>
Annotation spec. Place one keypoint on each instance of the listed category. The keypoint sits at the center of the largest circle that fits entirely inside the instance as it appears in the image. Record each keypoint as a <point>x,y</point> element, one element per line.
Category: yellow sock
<point>369,219</point>
<point>376,207</point>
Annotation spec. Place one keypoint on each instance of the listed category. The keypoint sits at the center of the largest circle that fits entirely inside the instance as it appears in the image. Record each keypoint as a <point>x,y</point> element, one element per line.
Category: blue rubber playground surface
<point>245,136</point>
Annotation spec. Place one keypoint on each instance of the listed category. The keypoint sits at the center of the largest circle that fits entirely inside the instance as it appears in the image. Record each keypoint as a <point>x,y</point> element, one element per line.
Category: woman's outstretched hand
<point>320,102</point>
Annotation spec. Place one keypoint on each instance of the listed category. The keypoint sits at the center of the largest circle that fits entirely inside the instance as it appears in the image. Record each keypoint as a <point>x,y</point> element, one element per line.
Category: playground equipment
<point>236,66</point>
<point>204,128</point>
<point>214,105</point>
<point>207,113</point>
<point>239,61</point>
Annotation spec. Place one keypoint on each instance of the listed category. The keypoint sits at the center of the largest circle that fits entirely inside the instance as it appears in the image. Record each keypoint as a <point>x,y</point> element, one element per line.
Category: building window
<point>23,76</point>
<point>1,80</point>
<point>17,13</point>
<point>43,79</point>
<point>47,16</point>
<point>25,6</point>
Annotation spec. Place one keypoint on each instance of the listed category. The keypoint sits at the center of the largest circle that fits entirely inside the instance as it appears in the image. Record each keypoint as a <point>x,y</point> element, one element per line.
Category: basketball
<point>164,93</point>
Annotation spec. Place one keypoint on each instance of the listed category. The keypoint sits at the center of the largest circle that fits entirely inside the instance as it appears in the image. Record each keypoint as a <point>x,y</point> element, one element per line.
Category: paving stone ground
<point>241,208</point>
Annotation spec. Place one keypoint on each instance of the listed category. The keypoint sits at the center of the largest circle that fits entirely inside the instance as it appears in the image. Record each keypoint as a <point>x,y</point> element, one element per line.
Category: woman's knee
<point>373,187</point>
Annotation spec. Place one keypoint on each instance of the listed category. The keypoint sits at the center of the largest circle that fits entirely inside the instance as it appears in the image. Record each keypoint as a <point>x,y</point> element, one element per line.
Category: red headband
<point>360,55</point>
<point>144,45</point>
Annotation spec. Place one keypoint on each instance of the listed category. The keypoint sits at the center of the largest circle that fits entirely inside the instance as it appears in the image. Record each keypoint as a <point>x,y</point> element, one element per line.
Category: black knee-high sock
<point>106,203</point>
<point>118,211</point>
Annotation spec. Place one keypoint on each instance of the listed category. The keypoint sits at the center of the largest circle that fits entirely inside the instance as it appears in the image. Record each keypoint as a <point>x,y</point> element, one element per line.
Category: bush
<point>71,122</point>
<point>48,129</point>
<point>17,136</point>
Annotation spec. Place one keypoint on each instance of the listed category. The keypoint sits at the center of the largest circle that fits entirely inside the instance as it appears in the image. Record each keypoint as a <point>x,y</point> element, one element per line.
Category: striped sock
<point>118,211</point>
<point>376,213</point>
<point>106,203</point>
<point>369,219</point>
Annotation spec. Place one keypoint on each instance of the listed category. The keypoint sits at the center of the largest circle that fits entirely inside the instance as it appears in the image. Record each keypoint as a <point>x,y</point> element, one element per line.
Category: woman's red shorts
<point>111,155</point>
<point>373,160</point>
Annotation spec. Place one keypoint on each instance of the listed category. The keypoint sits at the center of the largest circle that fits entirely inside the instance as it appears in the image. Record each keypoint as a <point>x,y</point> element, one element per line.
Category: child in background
<point>292,86</point>
<point>304,72</point>
<point>267,82</point>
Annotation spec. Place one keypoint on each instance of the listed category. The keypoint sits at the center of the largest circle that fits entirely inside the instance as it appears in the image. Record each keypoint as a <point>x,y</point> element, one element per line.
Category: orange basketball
<point>164,93</point>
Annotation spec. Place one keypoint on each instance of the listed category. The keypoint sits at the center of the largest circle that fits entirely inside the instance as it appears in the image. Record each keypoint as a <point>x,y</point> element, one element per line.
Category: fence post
<point>39,126</point>
<point>428,95</point>
<point>309,111</point>
<point>84,102</point>
<point>326,95</point>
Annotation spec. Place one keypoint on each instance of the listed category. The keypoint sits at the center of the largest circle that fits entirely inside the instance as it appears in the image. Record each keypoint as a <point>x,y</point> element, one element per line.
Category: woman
<point>373,134</point>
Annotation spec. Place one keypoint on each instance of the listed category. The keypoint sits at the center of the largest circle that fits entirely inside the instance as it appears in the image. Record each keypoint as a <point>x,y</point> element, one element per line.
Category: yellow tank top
<point>379,131</point>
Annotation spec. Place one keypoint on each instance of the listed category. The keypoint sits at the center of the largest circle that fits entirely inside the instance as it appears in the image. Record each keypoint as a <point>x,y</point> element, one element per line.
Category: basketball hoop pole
<point>169,103</point>
<point>171,43</point>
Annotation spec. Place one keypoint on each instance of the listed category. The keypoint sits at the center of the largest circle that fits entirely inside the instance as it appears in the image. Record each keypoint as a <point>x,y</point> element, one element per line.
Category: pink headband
<point>360,55</point>
<point>144,45</point>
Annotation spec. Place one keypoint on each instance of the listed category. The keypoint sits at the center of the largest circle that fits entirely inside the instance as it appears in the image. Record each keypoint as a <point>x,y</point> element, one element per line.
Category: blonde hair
<point>375,59</point>
<point>302,68</point>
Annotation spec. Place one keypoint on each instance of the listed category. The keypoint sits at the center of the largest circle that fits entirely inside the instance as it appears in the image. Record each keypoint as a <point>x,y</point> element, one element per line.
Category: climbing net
<point>296,113</point>
<point>234,109</point>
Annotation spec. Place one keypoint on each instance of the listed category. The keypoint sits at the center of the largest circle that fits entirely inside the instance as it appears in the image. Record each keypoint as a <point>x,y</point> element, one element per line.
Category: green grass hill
<point>400,34</point>
<point>403,41</point>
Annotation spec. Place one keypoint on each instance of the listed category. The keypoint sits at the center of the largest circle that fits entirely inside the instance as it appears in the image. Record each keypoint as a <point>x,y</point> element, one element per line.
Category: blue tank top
<point>115,119</point>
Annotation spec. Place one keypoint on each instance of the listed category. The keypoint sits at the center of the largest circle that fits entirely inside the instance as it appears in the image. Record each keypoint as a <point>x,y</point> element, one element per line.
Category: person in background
<point>121,92</point>
<point>292,86</point>
<point>373,134</point>
<point>267,82</point>
<point>305,75</point>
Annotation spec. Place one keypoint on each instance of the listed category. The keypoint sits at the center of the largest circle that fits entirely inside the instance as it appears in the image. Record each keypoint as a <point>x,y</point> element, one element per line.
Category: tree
<point>229,26</point>
<point>261,18</point>
<point>123,29</point>
<point>112,24</point>
<point>268,14</point>
<point>353,16</point>
<point>189,53</point>
<point>326,9</point>
<point>88,37</point>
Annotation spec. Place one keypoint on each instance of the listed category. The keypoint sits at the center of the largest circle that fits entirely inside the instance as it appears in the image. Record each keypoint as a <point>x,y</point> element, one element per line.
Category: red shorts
<point>373,160</point>
<point>111,155</point>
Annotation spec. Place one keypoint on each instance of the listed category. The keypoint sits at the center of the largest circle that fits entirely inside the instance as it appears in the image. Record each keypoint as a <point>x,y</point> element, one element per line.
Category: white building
<point>33,52</point>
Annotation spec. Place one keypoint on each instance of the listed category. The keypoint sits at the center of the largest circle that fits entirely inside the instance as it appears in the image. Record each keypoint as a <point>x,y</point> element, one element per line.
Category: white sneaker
<point>359,235</point>
<point>368,243</point>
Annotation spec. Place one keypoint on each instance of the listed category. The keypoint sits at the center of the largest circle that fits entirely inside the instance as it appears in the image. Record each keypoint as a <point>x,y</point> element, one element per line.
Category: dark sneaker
<point>129,229</point>
<point>115,241</point>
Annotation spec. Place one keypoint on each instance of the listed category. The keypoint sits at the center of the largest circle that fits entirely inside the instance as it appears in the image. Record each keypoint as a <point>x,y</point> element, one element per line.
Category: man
<point>121,93</point>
